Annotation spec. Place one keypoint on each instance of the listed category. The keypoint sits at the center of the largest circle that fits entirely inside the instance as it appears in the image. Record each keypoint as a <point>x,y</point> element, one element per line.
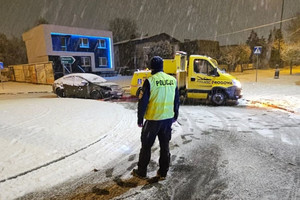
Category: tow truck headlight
<point>236,83</point>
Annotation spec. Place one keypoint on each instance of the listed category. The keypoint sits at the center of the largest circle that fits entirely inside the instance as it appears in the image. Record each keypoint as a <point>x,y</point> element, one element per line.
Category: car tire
<point>96,94</point>
<point>218,98</point>
<point>60,92</point>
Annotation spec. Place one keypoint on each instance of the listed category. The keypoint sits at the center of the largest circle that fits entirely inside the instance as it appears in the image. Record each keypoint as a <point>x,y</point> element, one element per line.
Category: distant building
<point>201,47</point>
<point>92,49</point>
<point>133,53</point>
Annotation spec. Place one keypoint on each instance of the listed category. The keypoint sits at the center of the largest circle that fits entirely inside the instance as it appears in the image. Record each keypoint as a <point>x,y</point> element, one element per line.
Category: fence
<point>40,73</point>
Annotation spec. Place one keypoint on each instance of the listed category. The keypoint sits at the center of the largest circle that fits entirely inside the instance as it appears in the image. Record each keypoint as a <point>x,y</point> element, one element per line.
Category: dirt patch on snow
<point>103,191</point>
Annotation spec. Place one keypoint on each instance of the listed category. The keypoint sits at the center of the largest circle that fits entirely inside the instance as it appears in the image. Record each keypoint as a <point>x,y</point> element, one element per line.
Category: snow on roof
<point>142,71</point>
<point>89,77</point>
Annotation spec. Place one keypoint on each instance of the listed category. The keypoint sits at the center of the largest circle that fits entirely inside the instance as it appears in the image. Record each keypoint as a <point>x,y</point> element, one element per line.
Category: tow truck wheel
<point>182,97</point>
<point>138,92</point>
<point>218,98</point>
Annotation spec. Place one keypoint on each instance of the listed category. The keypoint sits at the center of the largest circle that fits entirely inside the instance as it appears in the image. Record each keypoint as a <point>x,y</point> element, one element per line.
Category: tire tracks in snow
<point>114,131</point>
<point>51,162</point>
<point>236,129</point>
<point>36,116</point>
<point>252,126</point>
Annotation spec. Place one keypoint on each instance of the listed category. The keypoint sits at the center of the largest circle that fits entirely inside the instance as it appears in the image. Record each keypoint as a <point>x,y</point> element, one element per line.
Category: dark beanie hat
<point>156,63</point>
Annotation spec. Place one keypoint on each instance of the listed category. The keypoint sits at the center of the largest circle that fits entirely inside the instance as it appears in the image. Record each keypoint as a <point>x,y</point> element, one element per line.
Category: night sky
<point>228,21</point>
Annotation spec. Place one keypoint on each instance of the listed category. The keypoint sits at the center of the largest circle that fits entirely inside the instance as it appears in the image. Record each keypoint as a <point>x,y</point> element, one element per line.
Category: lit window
<point>63,43</point>
<point>102,61</point>
<point>102,44</point>
<point>85,61</point>
<point>84,43</point>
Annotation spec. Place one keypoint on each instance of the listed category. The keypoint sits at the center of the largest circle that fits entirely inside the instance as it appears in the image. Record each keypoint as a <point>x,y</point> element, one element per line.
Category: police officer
<point>158,104</point>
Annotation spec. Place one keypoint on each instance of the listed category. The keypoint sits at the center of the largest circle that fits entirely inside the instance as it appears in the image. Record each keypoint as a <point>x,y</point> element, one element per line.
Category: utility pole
<point>282,6</point>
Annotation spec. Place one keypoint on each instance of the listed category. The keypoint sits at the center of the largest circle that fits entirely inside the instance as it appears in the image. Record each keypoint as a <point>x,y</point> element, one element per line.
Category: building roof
<point>68,30</point>
<point>147,38</point>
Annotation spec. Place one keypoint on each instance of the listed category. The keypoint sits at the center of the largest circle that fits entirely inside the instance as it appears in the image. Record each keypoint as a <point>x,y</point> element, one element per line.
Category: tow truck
<point>198,78</point>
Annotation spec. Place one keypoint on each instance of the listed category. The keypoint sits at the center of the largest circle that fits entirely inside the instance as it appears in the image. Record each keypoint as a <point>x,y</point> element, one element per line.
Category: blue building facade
<point>91,49</point>
<point>99,46</point>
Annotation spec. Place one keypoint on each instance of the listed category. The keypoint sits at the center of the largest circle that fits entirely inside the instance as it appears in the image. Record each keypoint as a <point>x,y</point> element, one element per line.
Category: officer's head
<point>156,64</point>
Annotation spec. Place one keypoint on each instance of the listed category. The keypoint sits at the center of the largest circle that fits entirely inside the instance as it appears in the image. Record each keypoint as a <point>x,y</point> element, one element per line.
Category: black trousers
<point>150,130</point>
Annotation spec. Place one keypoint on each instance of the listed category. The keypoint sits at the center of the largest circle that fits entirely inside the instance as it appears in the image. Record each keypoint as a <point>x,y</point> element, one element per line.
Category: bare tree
<point>163,49</point>
<point>293,29</point>
<point>41,20</point>
<point>275,41</point>
<point>123,29</point>
<point>291,54</point>
<point>12,51</point>
<point>234,55</point>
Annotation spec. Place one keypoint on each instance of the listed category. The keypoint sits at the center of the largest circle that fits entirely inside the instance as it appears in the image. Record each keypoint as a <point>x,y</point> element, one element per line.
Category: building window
<point>63,43</point>
<point>85,61</point>
<point>84,43</point>
<point>102,44</point>
<point>102,61</point>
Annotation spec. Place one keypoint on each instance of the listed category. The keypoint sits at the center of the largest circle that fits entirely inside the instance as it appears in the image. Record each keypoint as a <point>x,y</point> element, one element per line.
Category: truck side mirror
<point>216,72</point>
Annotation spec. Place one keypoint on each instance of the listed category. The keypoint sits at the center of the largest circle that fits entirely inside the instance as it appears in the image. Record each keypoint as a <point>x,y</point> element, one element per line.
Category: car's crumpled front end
<point>115,92</point>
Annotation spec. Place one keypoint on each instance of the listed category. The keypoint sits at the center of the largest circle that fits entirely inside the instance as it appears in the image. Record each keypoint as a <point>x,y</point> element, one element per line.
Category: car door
<point>81,87</point>
<point>68,83</point>
<point>200,78</point>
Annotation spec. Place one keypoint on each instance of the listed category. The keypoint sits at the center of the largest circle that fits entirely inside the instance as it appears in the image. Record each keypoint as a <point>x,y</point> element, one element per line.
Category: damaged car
<point>86,85</point>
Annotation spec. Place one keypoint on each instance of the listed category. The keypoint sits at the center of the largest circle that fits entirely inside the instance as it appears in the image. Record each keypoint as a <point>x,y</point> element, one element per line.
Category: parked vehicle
<point>86,85</point>
<point>200,79</point>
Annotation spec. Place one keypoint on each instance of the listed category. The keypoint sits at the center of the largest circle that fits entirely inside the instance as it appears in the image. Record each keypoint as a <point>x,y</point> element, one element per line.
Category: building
<point>133,54</point>
<point>84,50</point>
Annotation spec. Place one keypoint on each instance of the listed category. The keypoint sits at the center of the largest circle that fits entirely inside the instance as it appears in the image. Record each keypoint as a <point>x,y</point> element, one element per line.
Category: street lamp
<point>282,6</point>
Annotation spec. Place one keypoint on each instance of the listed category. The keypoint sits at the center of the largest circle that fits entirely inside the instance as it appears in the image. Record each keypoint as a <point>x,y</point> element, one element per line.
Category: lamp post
<point>282,6</point>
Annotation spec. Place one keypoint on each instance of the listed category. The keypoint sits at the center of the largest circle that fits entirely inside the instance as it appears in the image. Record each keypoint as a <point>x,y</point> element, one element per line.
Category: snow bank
<point>15,88</point>
<point>283,92</point>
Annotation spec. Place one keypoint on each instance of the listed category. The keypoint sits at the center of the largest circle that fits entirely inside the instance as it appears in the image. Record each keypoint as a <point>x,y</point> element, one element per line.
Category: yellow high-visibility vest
<point>162,94</point>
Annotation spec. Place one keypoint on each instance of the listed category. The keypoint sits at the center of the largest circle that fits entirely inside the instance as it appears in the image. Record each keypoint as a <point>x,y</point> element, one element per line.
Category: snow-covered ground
<point>283,92</point>
<point>43,141</point>
<point>46,141</point>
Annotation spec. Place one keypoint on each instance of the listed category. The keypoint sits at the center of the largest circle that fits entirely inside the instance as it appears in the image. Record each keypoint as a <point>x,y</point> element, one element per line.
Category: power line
<point>252,28</point>
<point>293,32</point>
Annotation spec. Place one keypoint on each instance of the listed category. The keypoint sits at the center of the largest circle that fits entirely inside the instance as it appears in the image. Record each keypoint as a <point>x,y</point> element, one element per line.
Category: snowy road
<point>229,153</point>
<point>217,152</point>
<point>81,147</point>
<point>47,141</point>
<point>242,153</point>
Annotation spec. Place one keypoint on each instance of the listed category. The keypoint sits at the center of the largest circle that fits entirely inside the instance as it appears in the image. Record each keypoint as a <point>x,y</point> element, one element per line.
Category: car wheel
<point>96,95</point>
<point>218,98</point>
<point>60,92</point>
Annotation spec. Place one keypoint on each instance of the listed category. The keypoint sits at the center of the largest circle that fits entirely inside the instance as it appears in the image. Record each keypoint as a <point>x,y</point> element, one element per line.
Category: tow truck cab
<point>206,81</point>
<point>197,77</point>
